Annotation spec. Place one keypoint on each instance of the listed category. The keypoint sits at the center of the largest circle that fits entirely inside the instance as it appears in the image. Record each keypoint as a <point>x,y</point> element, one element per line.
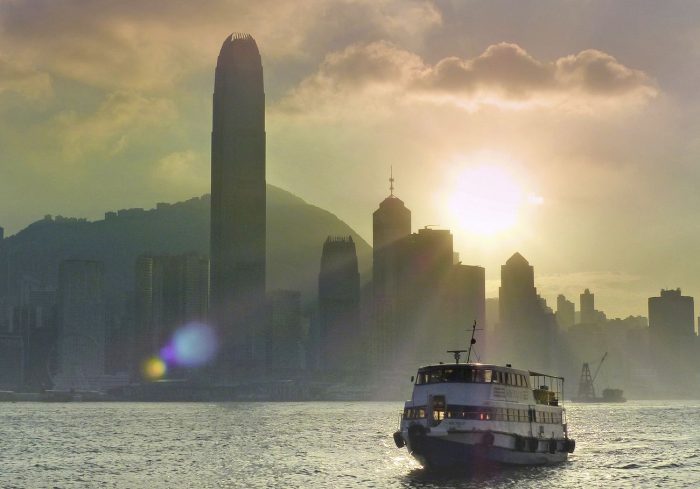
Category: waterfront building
<point>339,305</point>
<point>526,330</point>
<point>11,362</point>
<point>81,319</point>
<point>238,195</point>
<point>671,315</point>
<point>672,336</point>
<point>391,223</point>
<point>285,353</point>
<point>171,291</point>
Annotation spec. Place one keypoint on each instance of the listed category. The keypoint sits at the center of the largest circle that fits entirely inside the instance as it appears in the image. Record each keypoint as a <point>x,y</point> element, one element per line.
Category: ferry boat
<point>468,415</point>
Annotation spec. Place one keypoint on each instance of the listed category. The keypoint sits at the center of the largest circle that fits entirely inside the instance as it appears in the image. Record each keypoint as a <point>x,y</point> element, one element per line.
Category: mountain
<point>296,231</point>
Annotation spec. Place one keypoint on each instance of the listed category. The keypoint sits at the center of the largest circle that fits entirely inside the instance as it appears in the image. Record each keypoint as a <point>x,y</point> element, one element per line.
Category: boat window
<point>460,374</point>
<point>414,412</point>
<point>484,376</point>
<point>438,408</point>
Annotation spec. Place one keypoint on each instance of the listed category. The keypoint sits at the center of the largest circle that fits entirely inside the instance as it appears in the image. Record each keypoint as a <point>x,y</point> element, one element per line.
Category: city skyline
<point>601,165</point>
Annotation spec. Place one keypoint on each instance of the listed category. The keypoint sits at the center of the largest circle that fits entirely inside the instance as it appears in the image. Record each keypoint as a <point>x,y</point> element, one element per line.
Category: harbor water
<point>325,445</point>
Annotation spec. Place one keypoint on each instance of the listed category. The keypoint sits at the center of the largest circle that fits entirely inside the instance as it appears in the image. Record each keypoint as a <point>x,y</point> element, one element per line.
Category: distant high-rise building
<point>468,304</point>
<point>238,204</point>
<point>588,315</point>
<point>526,328</point>
<point>81,317</point>
<point>424,312</point>
<point>391,224</point>
<point>339,305</point>
<point>171,291</point>
<point>673,340</point>
<point>11,362</point>
<point>566,312</point>
<point>36,323</point>
<point>284,337</point>
<point>492,313</point>
<point>2,233</point>
<point>671,315</point>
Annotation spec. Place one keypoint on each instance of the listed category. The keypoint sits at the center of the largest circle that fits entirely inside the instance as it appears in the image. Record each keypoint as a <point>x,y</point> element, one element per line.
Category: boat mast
<point>458,353</point>
<point>472,342</point>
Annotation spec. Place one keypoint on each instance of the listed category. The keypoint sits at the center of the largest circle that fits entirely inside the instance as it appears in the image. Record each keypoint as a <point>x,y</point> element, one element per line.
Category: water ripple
<point>310,445</point>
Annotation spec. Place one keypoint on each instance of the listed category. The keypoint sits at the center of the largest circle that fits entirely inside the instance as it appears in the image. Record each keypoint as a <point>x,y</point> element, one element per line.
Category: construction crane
<point>599,365</point>
<point>586,389</point>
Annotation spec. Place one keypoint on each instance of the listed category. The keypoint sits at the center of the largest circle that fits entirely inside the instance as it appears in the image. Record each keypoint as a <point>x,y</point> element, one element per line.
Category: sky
<point>567,131</point>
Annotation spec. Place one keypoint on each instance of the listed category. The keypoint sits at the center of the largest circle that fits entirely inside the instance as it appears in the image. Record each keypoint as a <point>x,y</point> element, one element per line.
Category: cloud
<point>182,169</point>
<point>504,75</point>
<point>24,80</point>
<point>120,119</point>
<point>154,45</point>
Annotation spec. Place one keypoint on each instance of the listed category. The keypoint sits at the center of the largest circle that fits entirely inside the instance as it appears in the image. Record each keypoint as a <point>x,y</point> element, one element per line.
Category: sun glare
<point>486,199</point>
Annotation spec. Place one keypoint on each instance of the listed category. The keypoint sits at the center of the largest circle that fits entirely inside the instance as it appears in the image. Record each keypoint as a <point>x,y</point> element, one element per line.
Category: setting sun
<point>486,199</point>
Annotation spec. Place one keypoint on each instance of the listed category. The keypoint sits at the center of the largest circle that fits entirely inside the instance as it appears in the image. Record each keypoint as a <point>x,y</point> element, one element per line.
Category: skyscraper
<point>672,334</point>
<point>171,291</point>
<point>238,204</point>
<point>566,312</point>
<point>671,315</point>
<point>81,316</point>
<point>391,223</point>
<point>284,335</point>
<point>526,329</point>
<point>339,305</point>
<point>587,307</point>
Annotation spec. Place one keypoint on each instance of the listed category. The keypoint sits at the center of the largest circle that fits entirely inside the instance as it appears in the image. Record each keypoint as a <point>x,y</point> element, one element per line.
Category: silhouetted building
<point>36,322</point>
<point>468,304</point>
<point>437,301</point>
<point>171,291</point>
<point>391,224</point>
<point>285,352</point>
<point>588,315</point>
<point>81,316</point>
<point>11,362</point>
<point>566,312</point>
<point>2,233</point>
<point>672,335</point>
<point>671,315</point>
<point>339,305</point>
<point>527,329</point>
<point>238,204</point>
<point>492,313</point>
<point>424,300</point>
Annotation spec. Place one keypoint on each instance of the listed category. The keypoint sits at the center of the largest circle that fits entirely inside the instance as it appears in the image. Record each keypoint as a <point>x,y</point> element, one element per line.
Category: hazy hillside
<point>296,231</point>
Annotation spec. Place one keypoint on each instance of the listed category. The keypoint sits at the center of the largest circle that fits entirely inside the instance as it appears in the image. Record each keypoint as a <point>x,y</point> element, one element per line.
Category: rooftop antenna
<point>391,181</point>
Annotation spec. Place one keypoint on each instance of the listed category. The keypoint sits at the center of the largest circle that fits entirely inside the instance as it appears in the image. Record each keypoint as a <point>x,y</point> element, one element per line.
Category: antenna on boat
<point>458,353</point>
<point>472,342</point>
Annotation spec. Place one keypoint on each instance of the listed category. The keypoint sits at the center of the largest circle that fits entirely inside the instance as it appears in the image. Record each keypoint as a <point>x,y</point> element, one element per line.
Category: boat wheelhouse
<point>473,414</point>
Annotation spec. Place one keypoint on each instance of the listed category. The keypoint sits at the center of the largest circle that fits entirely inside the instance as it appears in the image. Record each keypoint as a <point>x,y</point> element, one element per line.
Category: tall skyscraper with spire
<point>238,204</point>
<point>391,224</point>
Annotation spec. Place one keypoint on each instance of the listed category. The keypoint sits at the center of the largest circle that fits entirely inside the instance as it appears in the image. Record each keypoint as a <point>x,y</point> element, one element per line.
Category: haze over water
<point>119,445</point>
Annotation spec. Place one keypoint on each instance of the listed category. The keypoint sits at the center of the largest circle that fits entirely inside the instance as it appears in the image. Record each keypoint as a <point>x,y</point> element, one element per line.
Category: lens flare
<point>192,345</point>
<point>154,368</point>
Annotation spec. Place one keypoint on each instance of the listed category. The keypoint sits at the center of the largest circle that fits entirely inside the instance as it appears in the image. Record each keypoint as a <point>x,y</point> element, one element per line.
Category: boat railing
<point>547,389</point>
